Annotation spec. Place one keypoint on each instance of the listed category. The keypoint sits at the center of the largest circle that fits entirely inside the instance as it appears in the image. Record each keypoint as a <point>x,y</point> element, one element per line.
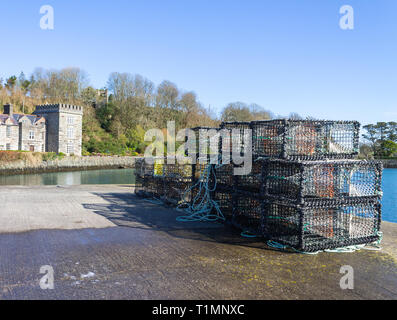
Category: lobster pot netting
<point>299,181</point>
<point>305,140</point>
<point>247,213</point>
<point>177,191</point>
<point>322,225</point>
<point>205,143</point>
<point>233,134</point>
<point>139,189</point>
<point>178,171</point>
<point>153,187</point>
<point>224,176</point>
<point>224,199</point>
<point>227,177</point>
<point>252,181</point>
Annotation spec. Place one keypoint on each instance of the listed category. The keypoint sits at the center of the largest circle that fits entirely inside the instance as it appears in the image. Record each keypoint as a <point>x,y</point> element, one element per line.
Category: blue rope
<point>202,205</point>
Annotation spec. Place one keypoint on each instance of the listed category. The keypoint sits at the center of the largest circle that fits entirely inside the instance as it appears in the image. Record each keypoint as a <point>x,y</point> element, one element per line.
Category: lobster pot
<point>247,212</point>
<point>233,134</point>
<point>299,181</point>
<point>322,224</point>
<point>154,187</point>
<point>305,139</point>
<point>224,199</point>
<point>177,191</point>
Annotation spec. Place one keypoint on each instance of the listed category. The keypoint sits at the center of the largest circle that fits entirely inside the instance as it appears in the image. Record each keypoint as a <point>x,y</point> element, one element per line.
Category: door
<point>32,148</point>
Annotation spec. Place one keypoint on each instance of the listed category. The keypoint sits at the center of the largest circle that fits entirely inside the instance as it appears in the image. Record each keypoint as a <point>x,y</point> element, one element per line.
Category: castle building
<point>51,128</point>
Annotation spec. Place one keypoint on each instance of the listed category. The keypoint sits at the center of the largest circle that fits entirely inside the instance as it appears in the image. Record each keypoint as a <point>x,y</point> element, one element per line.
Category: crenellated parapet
<point>59,107</point>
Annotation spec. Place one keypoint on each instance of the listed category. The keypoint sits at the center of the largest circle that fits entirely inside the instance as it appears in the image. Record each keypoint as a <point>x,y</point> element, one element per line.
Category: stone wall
<point>12,140</point>
<point>66,164</point>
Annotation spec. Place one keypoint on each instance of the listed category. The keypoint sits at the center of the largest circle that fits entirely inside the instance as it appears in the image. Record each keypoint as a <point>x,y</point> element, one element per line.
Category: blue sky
<point>286,55</point>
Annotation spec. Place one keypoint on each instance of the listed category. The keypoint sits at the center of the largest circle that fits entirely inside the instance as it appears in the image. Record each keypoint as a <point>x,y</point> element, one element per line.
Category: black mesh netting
<point>305,139</point>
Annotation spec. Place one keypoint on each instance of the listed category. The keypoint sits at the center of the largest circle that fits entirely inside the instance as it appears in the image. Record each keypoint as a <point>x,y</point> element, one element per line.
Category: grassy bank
<point>29,157</point>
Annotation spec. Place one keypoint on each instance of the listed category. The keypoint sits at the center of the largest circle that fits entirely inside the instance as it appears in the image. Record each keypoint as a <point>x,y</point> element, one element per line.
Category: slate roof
<point>15,118</point>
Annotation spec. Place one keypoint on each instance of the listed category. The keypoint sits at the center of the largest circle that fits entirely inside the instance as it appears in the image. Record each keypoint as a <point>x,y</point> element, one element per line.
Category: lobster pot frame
<point>322,224</point>
<point>235,137</point>
<point>224,199</point>
<point>305,139</point>
<point>247,212</point>
<point>300,181</point>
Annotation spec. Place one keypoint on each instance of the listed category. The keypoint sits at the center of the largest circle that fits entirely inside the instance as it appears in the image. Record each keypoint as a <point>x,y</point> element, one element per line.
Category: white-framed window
<point>70,120</point>
<point>42,148</point>
<point>70,148</point>
<point>8,146</point>
<point>8,130</point>
<point>31,135</point>
<point>70,133</point>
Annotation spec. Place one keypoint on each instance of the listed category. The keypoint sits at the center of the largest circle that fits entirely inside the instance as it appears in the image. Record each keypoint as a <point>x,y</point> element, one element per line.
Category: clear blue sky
<point>286,55</point>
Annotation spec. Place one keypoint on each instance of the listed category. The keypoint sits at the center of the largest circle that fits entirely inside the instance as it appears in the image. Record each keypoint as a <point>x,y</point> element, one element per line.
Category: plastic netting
<point>247,212</point>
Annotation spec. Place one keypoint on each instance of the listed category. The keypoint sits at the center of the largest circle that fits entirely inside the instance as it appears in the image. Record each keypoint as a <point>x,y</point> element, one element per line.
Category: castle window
<point>70,133</point>
<point>8,146</point>
<point>70,148</point>
<point>31,135</point>
<point>8,131</point>
<point>70,121</point>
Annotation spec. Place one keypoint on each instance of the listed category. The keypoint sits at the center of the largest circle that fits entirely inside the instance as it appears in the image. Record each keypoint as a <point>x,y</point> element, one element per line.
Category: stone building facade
<point>51,128</point>
<point>64,127</point>
<point>21,131</point>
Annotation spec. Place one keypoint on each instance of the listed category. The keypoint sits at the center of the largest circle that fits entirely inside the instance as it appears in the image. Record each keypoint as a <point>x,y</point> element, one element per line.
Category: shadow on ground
<point>126,210</point>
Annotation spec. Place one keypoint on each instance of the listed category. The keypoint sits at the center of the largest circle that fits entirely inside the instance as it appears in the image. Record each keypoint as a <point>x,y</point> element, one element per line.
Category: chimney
<point>8,109</point>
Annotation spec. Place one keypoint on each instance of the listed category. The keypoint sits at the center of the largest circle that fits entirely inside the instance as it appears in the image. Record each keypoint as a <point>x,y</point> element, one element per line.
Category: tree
<point>236,111</point>
<point>387,148</point>
<point>11,82</point>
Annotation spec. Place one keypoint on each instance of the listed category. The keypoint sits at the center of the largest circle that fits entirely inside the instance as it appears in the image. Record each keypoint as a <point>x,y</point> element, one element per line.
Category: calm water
<point>112,176</point>
<point>390,195</point>
<point>126,176</point>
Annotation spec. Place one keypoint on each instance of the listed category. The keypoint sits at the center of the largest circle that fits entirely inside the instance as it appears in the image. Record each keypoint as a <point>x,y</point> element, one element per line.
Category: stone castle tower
<point>64,127</point>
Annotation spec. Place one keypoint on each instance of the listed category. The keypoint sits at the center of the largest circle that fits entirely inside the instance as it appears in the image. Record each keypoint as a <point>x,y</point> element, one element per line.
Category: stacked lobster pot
<point>305,189</point>
<point>175,183</point>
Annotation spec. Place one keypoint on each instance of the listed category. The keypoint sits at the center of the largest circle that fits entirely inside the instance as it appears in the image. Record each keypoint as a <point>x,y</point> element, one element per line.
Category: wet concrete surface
<point>149,255</point>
